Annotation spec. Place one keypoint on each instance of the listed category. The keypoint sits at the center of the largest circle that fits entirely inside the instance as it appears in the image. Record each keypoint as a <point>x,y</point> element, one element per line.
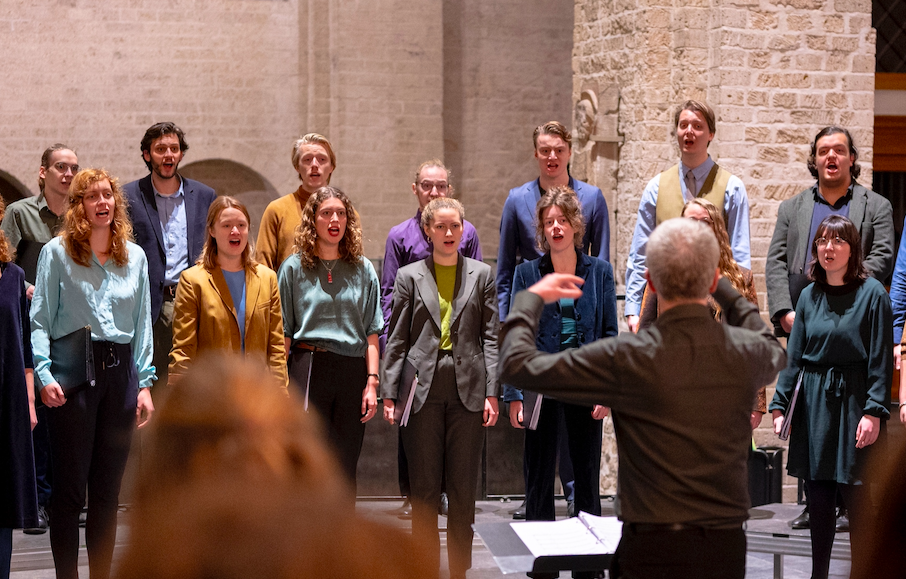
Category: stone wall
<point>775,72</point>
<point>391,84</point>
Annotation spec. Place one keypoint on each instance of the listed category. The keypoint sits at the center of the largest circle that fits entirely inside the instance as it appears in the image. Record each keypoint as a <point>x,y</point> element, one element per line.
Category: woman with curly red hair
<point>330,296</point>
<point>92,275</point>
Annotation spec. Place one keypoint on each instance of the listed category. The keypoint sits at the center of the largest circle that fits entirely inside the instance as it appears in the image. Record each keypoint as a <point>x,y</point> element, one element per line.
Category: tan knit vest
<point>670,200</point>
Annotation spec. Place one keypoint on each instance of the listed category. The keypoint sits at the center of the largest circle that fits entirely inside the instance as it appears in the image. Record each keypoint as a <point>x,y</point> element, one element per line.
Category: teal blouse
<point>337,316</point>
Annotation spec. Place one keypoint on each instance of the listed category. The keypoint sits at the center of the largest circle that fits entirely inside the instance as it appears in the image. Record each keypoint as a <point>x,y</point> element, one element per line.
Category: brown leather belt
<point>309,347</point>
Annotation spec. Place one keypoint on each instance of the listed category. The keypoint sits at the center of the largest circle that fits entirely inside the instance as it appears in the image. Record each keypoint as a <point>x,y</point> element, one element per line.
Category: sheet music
<point>536,413</point>
<point>787,423</point>
<point>407,411</point>
<point>553,538</point>
<point>608,530</point>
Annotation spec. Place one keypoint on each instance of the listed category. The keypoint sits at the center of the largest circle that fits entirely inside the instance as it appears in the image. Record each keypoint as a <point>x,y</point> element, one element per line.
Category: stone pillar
<point>775,72</point>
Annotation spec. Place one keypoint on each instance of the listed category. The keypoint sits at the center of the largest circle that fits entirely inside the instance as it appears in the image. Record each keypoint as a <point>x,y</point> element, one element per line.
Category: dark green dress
<point>842,342</point>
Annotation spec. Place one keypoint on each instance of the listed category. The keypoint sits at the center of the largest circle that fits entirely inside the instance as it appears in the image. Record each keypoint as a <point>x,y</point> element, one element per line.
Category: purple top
<point>407,243</point>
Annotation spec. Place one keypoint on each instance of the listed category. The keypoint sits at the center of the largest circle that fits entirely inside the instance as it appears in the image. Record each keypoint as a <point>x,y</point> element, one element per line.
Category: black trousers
<point>687,554</point>
<point>41,441</point>
<point>335,392</point>
<point>444,436</point>
<point>90,437</point>
<point>584,442</point>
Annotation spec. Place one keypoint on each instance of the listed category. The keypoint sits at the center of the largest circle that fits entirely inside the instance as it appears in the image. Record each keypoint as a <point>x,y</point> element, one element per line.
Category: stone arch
<point>11,188</point>
<point>236,180</point>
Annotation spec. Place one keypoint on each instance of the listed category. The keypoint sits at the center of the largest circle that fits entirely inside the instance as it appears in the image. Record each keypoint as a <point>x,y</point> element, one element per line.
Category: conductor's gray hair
<point>682,257</point>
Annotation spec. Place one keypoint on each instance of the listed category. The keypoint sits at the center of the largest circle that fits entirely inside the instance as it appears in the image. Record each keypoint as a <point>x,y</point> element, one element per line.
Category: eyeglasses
<point>427,186</point>
<point>63,167</point>
<point>833,241</point>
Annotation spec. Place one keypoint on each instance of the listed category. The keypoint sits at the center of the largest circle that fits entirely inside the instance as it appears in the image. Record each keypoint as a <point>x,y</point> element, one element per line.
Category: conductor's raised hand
<point>557,286</point>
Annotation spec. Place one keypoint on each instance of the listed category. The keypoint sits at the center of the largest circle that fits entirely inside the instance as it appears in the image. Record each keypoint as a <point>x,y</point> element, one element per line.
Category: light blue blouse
<point>113,300</point>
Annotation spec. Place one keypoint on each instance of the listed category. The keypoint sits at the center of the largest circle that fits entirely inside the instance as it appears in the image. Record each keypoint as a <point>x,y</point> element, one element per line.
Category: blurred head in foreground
<point>237,482</point>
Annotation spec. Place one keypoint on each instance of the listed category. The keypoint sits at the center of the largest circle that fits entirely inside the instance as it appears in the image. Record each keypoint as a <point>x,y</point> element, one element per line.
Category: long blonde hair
<point>727,265</point>
<point>76,231</point>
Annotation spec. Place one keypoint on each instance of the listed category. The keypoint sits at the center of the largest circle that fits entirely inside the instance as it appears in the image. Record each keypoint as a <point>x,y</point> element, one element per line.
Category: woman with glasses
<point>330,298</point>
<point>840,357</point>
<point>227,301</point>
<point>92,275</point>
<point>741,278</point>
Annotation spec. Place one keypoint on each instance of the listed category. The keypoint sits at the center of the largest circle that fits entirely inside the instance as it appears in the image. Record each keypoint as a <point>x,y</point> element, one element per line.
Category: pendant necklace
<point>329,269</point>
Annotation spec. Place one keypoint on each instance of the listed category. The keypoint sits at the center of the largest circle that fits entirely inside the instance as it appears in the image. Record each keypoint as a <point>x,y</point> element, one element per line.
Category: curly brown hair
<point>305,242</point>
<point>7,253</point>
<point>563,197</point>
<point>76,231</point>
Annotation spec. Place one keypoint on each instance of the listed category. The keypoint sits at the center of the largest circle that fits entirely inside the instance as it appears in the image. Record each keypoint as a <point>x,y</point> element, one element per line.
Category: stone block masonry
<point>775,72</point>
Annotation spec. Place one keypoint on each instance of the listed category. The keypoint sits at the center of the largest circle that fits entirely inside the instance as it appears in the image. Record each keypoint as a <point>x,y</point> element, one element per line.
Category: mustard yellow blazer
<point>204,319</point>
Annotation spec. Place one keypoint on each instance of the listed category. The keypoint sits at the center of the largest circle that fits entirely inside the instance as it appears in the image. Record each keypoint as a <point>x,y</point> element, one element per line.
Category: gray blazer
<point>415,332</point>
<point>785,273</point>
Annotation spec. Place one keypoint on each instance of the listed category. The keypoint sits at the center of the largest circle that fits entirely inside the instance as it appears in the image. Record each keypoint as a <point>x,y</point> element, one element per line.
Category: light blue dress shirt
<point>113,300</point>
<point>236,283</point>
<point>736,210</point>
<point>172,212</point>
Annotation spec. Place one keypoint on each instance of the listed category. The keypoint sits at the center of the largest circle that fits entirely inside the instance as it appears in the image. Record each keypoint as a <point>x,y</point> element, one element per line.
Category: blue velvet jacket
<point>595,311</point>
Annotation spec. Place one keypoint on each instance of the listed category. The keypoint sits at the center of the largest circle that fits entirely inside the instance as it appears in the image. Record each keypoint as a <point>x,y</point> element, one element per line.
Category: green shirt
<point>446,285</point>
<point>28,225</point>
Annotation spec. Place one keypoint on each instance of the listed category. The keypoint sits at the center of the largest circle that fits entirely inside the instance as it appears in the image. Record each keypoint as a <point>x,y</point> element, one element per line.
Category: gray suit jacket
<point>415,332</point>
<point>785,272</point>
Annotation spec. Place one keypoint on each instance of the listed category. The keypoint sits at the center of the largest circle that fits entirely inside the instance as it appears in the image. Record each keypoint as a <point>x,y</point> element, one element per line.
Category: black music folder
<point>72,361</point>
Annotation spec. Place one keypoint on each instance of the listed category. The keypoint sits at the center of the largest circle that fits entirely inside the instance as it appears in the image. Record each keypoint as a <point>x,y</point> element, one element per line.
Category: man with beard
<point>29,224</point>
<point>168,215</point>
<point>696,175</point>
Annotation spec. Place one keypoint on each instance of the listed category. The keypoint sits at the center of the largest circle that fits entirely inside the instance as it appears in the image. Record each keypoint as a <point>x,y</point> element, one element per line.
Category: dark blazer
<point>785,273</point>
<point>148,234</point>
<point>415,331</point>
<point>595,311</point>
<point>517,231</point>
